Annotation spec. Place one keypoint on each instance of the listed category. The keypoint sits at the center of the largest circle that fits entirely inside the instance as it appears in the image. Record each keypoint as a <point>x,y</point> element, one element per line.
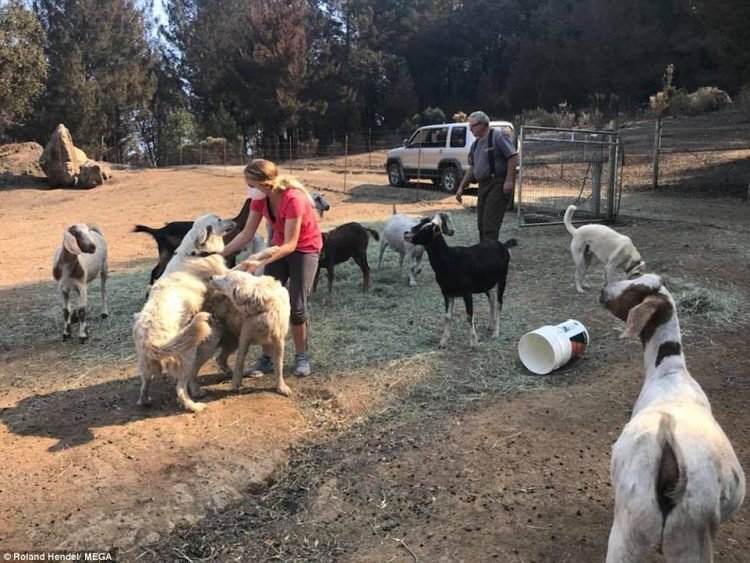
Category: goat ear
<point>639,316</point>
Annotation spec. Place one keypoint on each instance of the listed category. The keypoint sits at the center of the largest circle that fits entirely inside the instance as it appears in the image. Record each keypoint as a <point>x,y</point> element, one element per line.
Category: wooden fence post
<point>657,147</point>
<point>346,159</point>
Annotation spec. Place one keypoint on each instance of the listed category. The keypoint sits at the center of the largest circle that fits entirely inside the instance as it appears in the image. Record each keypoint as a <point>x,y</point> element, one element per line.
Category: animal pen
<point>560,167</point>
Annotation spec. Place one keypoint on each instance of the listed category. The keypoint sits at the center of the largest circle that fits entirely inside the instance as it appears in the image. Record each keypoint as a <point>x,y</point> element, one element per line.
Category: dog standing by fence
<point>674,472</point>
<point>612,249</point>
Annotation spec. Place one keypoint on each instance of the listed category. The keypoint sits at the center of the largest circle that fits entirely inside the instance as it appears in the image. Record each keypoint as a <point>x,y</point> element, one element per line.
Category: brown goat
<point>349,240</point>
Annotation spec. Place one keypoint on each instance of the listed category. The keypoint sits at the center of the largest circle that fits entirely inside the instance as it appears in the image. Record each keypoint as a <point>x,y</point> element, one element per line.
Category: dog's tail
<point>671,476</point>
<point>373,233</point>
<point>145,229</point>
<point>196,331</point>
<point>568,220</point>
<point>510,243</point>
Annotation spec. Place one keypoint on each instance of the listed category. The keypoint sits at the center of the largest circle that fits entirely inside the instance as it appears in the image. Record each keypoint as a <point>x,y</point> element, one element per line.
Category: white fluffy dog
<point>167,332</point>
<point>614,250</point>
<point>261,316</point>
<point>170,326</point>
<point>200,250</point>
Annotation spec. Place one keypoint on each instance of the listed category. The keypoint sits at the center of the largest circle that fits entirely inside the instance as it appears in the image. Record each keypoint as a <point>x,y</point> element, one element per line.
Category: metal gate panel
<point>560,167</point>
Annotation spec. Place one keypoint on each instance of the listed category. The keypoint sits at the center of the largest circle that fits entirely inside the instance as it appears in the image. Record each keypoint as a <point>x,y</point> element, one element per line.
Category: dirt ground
<point>400,476</point>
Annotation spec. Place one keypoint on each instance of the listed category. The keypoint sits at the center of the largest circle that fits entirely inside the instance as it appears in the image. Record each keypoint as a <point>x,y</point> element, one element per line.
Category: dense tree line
<point>125,83</point>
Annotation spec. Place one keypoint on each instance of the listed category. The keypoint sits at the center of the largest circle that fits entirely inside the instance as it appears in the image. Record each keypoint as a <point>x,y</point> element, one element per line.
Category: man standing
<point>492,163</point>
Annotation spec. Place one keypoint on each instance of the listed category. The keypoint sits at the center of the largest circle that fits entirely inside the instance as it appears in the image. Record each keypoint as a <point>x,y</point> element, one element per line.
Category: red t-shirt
<point>293,203</point>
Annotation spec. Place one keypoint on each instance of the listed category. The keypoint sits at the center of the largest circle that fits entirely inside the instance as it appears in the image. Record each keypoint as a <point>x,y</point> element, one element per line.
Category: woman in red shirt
<point>288,208</point>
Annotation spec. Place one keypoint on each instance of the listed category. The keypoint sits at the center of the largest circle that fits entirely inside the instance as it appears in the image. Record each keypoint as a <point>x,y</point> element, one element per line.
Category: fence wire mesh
<point>705,155</point>
<point>560,167</point>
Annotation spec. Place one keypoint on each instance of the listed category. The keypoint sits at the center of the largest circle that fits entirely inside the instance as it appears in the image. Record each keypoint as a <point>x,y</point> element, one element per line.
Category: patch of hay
<point>712,306</point>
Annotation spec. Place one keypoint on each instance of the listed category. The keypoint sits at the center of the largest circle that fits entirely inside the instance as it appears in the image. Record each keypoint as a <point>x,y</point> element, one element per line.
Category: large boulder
<point>92,174</point>
<point>67,166</point>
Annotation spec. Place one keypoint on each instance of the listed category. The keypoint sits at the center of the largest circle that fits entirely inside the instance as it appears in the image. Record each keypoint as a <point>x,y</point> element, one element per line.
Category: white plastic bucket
<point>552,346</point>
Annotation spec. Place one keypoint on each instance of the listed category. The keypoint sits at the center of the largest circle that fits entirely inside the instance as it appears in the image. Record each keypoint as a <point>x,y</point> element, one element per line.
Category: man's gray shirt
<point>479,159</point>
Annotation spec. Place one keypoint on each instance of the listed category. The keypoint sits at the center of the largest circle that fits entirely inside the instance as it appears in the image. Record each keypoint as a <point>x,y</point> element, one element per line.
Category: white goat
<point>79,259</point>
<point>393,237</point>
<point>674,472</point>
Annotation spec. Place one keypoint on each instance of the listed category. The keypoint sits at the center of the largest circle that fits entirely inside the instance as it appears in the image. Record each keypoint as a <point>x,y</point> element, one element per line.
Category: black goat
<point>346,241</point>
<point>462,271</point>
<point>169,237</point>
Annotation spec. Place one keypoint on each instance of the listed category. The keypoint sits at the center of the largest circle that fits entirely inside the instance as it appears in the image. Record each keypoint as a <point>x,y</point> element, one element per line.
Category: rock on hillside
<point>20,162</point>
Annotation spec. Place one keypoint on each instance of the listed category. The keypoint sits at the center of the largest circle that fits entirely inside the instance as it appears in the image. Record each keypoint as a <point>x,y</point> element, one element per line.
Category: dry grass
<point>391,334</point>
<point>711,306</point>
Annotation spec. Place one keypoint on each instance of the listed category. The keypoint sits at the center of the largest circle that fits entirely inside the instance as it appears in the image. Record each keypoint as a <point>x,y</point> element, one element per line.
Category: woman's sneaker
<point>301,364</point>
<point>261,366</point>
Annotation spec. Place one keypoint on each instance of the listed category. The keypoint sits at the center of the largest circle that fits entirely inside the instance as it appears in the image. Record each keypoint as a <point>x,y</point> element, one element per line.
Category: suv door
<point>434,150</point>
<point>424,151</point>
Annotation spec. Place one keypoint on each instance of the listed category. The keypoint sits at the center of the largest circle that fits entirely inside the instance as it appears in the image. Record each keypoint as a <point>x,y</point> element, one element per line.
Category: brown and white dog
<point>612,249</point>
<point>674,472</point>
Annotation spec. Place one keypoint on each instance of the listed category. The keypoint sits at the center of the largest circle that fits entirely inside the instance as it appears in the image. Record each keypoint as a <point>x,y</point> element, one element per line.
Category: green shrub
<point>659,102</point>
<point>705,99</point>
<point>540,117</point>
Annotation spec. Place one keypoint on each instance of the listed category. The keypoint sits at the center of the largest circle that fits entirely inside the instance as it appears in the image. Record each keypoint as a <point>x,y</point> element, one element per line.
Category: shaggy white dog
<point>259,315</point>
<point>167,332</point>
<point>171,325</point>
<point>614,250</point>
<point>200,250</point>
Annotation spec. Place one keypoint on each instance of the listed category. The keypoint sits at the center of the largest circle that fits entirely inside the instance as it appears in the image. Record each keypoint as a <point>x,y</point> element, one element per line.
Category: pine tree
<point>101,72</point>
<point>23,68</point>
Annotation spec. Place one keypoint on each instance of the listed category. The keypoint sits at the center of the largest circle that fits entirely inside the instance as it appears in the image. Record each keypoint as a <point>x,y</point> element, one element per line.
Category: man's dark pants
<point>491,206</point>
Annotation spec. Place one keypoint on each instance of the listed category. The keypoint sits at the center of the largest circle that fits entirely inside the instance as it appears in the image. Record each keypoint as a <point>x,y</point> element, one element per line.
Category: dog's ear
<point>203,236</point>
<point>640,315</point>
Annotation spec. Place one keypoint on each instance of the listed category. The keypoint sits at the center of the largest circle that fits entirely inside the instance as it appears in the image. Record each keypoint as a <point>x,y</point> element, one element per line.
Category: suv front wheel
<point>395,177</point>
<point>449,179</point>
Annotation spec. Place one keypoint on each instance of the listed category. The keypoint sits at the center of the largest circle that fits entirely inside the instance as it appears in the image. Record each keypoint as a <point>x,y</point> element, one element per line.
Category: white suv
<point>436,152</point>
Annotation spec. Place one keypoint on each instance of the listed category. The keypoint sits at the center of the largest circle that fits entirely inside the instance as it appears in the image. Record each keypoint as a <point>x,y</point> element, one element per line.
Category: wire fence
<point>560,167</point>
<point>707,154</point>
<point>371,144</point>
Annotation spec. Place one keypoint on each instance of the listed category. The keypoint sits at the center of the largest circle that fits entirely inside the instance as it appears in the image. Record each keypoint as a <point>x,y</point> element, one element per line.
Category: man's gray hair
<point>480,117</point>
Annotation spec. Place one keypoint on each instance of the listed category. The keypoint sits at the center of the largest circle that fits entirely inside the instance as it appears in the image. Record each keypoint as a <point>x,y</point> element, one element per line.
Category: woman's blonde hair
<point>266,172</point>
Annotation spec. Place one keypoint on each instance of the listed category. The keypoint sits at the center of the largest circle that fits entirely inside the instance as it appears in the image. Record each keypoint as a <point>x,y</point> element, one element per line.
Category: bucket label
<point>577,335</point>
